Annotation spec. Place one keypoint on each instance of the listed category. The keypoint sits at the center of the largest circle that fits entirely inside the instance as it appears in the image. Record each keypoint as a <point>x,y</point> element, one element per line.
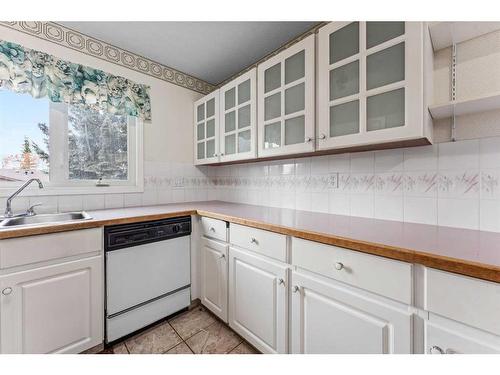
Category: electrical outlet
<point>334,180</point>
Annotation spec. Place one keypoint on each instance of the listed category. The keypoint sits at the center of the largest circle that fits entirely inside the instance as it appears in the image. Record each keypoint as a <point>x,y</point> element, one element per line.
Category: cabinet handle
<point>295,288</point>
<point>221,154</point>
<point>322,136</point>
<point>212,229</point>
<point>7,291</point>
<point>254,240</point>
<point>281,282</point>
<point>222,256</point>
<point>339,266</point>
<point>308,139</point>
<point>436,350</point>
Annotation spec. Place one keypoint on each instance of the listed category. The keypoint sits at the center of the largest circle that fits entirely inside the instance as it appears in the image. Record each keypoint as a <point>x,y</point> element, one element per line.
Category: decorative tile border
<point>69,38</point>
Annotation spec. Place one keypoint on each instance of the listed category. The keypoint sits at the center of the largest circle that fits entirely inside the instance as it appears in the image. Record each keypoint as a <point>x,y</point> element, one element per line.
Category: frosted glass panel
<point>200,112</point>
<point>200,153</point>
<point>200,131</point>
<point>244,92</point>
<point>230,98</point>
<point>211,148</point>
<point>244,117</point>
<point>385,110</point>
<point>244,141</point>
<point>380,32</point>
<point>211,108</point>
<point>295,67</point>
<point>272,135</point>
<point>272,77</point>
<point>386,66</point>
<point>344,119</point>
<point>344,42</point>
<point>230,144</point>
<point>211,128</point>
<point>344,80</point>
<point>294,130</point>
<point>272,106</point>
<point>230,121</point>
<point>294,99</point>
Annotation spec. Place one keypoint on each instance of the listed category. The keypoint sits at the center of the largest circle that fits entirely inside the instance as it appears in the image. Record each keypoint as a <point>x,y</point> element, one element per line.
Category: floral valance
<point>26,70</point>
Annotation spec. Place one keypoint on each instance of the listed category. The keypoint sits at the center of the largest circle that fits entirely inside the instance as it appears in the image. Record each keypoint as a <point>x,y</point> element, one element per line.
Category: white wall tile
<point>113,200</point>
<point>362,162</point>
<point>303,166</point>
<point>303,201</point>
<point>420,210</point>
<point>489,153</point>
<point>389,160</point>
<point>93,202</point>
<point>320,165</point>
<point>319,202</point>
<point>132,199</point>
<point>489,219</point>
<point>462,213</point>
<point>339,204</point>
<point>388,207</point>
<point>49,204</point>
<point>340,163</point>
<point>423,158</point>
<point>69,203</point>
<point>362,205</point>
<point>459,155</point>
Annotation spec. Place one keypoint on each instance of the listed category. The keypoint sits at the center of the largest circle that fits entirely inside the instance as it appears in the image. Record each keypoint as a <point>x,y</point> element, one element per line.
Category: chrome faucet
<point>8,207</point>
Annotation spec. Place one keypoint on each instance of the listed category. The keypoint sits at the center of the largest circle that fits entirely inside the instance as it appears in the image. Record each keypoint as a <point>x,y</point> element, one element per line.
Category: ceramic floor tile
<point>215,339</point>
<point>120,349</point>
<point>192,322</point>
<point>156,340</point>
<point>182,348</point>
<point>243,348</point>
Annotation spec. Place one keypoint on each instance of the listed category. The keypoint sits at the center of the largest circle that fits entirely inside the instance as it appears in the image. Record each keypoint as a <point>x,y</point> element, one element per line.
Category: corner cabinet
<point>206,129</point>
<point>371,84</point>
<point>285,96</point>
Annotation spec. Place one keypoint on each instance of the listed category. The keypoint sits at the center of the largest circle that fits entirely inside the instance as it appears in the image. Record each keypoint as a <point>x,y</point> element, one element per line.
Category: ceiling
<point>212,51</point>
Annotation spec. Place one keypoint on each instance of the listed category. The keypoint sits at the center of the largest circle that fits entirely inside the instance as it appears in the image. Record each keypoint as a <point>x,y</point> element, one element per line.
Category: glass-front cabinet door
<point>370,85</point>
<point>238,112</point>
<point>286,101</point>
<point>206,129</point>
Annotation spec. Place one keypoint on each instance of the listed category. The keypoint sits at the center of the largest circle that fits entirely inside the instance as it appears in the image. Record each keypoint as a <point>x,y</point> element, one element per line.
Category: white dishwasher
<point>147,273</point>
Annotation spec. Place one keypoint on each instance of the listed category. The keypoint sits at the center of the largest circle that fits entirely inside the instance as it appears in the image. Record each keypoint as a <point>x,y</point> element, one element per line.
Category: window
<point>67,145</point>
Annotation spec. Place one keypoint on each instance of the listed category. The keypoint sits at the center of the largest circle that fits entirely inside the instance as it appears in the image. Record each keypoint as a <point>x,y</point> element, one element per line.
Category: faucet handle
<point>30,211</point>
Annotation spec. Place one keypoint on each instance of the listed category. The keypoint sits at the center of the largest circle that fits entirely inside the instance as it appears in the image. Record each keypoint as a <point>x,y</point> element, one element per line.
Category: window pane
<point>244,117</point>
<point>200,131</point>
<point>272,135</point>
<point>386,66</point>
<point>211,107</point>
<point>244,92</point>
<point>295,67</point>
<point>200,154</point>
<point>344,119</point>
<point>344,80</point>
<point>24,138</point>
<point>211,128</point>
<point>230,98</point>
<point>244,141</point>
<point>344,42</point>
<point>201,112</point>
<point>211,148</point>
<point>230,144</point>
<point>272,78</point>
<point>272,106</point>
<point>98,144</point>
<point>386,110</point>
<point>294,130</point>
<point>294,99</point>
<point>379,32</point>
<point>230,121</point>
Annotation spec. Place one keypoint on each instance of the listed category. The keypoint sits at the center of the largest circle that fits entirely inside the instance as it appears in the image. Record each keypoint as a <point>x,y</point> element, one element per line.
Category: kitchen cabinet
<point>52,309</point>
<point>329,317</point>
<point>371,85</point>
<point>214,269</point>
<point>285,97</point>
<point>258,300</point>
<point>238,123</point>
<point>206,129</point>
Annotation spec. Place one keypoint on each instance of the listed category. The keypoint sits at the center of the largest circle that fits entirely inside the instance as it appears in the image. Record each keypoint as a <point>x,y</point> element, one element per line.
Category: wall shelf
<point>444,34</point>
<point>464,107</point>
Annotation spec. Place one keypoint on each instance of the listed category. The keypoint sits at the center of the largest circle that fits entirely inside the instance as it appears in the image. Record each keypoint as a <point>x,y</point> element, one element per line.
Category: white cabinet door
<point>53,309</point>
<point>258,300</point>
<point>370,86</point>
<point>214,277</point>
<point>238,118</point>
<point>286,101</point>
<point>328,317</point>
<point>206,129</point>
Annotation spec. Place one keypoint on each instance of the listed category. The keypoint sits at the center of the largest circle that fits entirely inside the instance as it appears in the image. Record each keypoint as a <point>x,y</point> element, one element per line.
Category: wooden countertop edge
<point>464,267</point>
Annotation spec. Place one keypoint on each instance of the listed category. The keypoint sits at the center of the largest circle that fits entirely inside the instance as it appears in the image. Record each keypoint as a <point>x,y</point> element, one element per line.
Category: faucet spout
<point>8,206</point>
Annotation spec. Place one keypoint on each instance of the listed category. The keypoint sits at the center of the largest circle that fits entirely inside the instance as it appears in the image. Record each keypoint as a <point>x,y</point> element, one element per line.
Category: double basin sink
<point>16,221</point>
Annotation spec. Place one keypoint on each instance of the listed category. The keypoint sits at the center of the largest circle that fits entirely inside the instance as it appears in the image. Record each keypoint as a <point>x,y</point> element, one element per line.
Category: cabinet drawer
<point>20,251</point>
<point>261,241</point>
<point>386,277</point>
<point>471,301</point>
<point>214,228</point>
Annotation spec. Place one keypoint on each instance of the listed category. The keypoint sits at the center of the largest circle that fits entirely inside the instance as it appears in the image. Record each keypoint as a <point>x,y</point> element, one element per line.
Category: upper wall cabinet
<point>206,129</point>
<point>286,101</point>
<point>238,118</point>
<point>371,88</point>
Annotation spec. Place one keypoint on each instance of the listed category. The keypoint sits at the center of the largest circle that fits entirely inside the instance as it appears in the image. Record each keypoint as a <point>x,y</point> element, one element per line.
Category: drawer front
<point>214,228</point>
<point>263,242</point>
<point>471,301</point>
<point>386,277</point>
<point>26,250</point>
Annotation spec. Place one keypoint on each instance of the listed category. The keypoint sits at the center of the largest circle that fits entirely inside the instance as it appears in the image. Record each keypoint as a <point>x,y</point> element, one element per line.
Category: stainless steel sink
<point>44,218</point>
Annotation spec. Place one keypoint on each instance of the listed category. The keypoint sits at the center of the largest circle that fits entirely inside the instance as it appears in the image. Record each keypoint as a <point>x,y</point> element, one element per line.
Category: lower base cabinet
<point>258,300</point>
<point>52,309</point>
<point>214,277</point>
<point>327,317</point>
